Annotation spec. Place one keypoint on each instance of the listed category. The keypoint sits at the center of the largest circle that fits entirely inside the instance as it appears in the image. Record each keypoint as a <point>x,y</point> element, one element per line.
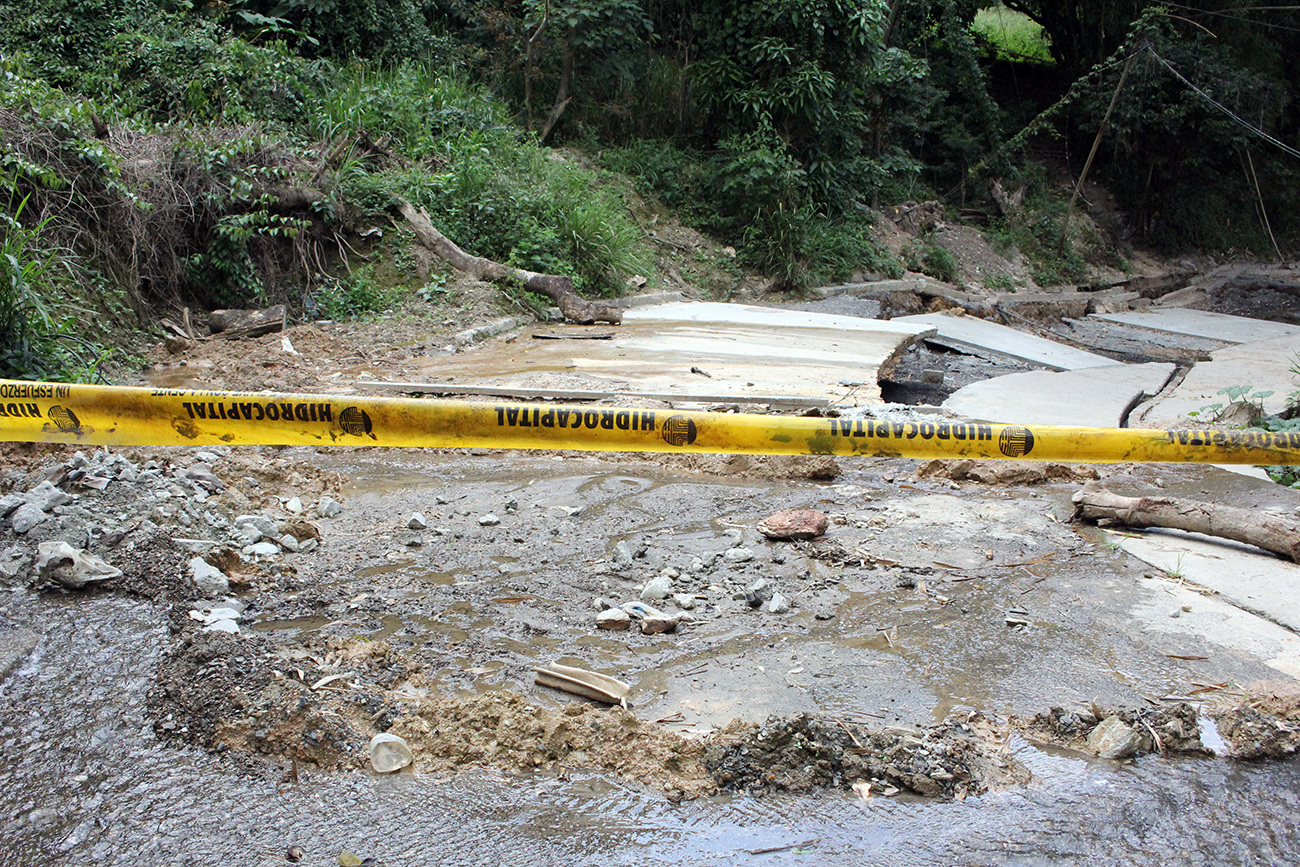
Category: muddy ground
<point>943,611</point>
<point>949,608</point>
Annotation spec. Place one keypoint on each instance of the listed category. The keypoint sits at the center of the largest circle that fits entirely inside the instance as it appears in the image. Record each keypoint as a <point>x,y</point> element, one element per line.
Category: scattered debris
<point>806,752</point>
<point>588,684</point>
<point>1122,733</point>
<point>1263,530</point>
<point>1262,727</point>
<point>389,753</point>
<point>73,568</point>
<point>248,323</point>
<point>1004,472</point>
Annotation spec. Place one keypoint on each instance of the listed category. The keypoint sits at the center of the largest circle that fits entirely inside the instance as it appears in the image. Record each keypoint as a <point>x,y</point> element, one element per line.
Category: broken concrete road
<point>1261,372</point>
<point>690,352</point>
<point>970,334</point>
<point>1097,396</point>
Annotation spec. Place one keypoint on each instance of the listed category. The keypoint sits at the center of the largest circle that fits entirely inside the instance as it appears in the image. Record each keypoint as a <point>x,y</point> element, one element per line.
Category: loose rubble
<point>803,753</point>
<point>212,538</point>
<point>1122,733</point>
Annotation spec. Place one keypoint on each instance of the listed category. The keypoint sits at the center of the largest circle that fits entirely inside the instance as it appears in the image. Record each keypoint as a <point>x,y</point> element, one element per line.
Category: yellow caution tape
<point>107,415</point>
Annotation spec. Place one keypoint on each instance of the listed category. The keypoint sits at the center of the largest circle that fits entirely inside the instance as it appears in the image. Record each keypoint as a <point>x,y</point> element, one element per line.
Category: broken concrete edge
<point>482,332</point>
<point>885,371</point>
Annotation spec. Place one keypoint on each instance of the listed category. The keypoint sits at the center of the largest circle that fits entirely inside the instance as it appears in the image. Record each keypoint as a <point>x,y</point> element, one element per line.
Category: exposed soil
<point>1260,727</point>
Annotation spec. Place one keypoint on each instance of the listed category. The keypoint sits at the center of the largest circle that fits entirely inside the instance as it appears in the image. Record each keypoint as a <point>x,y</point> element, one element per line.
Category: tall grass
<point>485,184</point>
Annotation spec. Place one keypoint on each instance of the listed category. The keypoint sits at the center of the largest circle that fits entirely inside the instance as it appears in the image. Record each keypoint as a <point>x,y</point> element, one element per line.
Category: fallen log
<point>559,289</point>
<point>1273,533</point>
<point>248,323</point>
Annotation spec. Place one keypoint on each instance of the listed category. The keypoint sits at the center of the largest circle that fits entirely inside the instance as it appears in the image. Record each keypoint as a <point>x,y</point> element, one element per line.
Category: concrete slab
<point>981,336</point>
<point>1263,366</point>
<point>1176,609</point>
<point>1251,580</point>
<point>768,317</point>
<point>1092,397</point>
<point>692,352</point>
<point>1202,323</point>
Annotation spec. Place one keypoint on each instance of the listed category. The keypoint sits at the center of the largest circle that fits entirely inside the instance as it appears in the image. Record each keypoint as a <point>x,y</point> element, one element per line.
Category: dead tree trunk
<point>558,289</point>
<point>1270,532</point>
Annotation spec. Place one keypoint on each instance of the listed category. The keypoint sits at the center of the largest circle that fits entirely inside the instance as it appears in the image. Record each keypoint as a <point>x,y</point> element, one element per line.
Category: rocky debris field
<point>308,613</point>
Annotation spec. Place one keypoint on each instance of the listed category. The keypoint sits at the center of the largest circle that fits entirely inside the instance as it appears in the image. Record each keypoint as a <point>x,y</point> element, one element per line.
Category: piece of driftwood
<point>559,289</point>
<point>1271,532</point>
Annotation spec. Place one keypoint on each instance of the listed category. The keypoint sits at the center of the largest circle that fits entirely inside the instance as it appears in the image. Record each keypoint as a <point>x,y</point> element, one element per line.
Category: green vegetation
<point>1012,34</point>
<point>159,153</point>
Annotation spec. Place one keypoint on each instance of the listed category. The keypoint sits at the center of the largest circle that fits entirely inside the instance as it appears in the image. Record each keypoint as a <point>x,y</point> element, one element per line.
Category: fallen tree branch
<point>558,289</point>
<point>1263,530</point>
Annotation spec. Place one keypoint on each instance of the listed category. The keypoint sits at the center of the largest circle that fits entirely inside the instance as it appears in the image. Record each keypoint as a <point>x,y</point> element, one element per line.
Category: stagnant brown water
<point>84,780</point>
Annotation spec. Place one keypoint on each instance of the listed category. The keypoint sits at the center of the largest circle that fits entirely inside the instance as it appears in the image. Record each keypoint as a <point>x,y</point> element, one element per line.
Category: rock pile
<point>66,530</point>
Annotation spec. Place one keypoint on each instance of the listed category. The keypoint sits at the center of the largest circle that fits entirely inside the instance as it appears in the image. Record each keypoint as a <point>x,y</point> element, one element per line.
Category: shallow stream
<point>86,781</point>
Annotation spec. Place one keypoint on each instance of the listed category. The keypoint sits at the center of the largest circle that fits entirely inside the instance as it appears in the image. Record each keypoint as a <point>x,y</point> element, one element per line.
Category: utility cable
<point>1223,108</point>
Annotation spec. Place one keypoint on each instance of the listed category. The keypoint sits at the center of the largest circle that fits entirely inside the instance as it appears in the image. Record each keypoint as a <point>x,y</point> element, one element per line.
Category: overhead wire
<point>1223,108</point>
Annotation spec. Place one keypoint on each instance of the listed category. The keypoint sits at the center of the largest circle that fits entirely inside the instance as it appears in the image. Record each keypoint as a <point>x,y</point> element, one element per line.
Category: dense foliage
<point>154,151</point>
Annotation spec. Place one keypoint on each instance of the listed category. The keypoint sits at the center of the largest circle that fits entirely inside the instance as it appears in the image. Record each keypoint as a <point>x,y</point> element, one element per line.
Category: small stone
<point>45,497</point>
<point>489,520</point>
<point>388,753</point>
<point>641,610</point>
<point>417,522</point>
<point>738,555</point>
<point>684,601</point>
<point>289,543</point>
<point>264,549</point>
<point>790,524</point>
<point>225,625</point>
<point>1114,739</point>
<point>613,618</point>
<point>622,554</point>
<point>658,625</point>
<point>328,507</point>
<point>210,580</point>
<point>294,506</point>
<point>25,517</point>
<point>657,588</point>
<point>778,604</point>
<point>264,525</point>
<point>306,546</point>
<point>758,593</point>
<point>9,503</point>
<point>932,376</point>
